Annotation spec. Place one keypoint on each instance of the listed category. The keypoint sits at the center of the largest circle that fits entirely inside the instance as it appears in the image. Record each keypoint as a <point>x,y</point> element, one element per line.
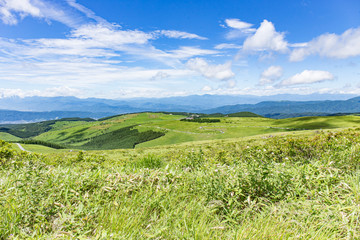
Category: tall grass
<point>283,188</point>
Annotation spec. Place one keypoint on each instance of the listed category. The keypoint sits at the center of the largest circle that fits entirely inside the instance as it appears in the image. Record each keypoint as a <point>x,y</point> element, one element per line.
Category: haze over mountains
<point>30,109</point>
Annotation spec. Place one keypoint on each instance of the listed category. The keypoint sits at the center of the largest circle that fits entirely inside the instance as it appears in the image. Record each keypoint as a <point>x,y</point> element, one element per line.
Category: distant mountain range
<point>278,108</point>
<point>13,117</point>
<point>30,109</point>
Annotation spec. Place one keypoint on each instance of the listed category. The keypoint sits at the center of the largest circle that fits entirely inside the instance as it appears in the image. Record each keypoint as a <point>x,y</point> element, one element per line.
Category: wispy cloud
<point>9,8</point>
<point>238,24</point>
<point>90,14</point>
<point>188,52</point>
<point>178,34</point>
<point>227,46</point>
<point>48,92</point>
<point>238,28</point>
<point>91,36</point>
<point>11,11</point>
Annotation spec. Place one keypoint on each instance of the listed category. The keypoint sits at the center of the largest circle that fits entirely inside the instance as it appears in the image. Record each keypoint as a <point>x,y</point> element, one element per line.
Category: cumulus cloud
<point>308,77</point>
<point>270,75</point>
<point>212,71</point>
<point>266,38</point>
<point>331,45</point>
<point>178,34</point>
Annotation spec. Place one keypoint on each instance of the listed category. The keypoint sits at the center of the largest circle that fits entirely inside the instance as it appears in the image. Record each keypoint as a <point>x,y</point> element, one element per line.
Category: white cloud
<point>237,24</point>
<point>160,76</point>
<point>331,45</point>
<point>270,75</point>
<point>13,10</point>
<point>231,83</point>
<point>93,53</point>
<point>86,11</point>
<point>266,38</point>
<point>206,88</point>
<point>48,92</point>
<point>74,71</point>
<point>308,77</point>
<point>239,28</point>
<point>179,34</point>
<point>23,7</point>
<point>102,35</point>
<point>227,46</point>
<point>212,71</point>
<point>187,52</point>
<point>91,36</point>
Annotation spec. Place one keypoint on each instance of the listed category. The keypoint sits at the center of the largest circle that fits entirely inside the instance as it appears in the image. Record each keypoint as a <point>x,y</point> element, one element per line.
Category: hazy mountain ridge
<point>10,116</point>
<point>32,109</point>
<point>292,107</point>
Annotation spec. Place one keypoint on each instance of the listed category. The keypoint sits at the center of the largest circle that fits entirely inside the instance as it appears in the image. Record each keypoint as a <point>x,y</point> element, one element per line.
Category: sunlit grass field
<point>8,137</point>
<point>240,178</point>
<point>274,186</point>
<point>78,134</point>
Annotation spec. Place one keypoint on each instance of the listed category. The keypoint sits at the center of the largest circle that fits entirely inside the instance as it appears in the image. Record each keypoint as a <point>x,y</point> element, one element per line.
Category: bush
<point>201,120</point>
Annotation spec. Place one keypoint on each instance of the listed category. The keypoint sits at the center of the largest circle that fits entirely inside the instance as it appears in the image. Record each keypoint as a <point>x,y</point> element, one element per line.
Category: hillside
<point>286,187</point>
<point>141,130</point>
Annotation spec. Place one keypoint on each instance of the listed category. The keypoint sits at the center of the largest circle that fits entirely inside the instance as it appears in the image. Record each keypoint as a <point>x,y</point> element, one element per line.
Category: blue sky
<point>160,48</point>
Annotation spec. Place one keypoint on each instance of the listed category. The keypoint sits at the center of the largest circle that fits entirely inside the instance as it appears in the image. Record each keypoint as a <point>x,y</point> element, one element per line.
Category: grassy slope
<point>8,137</point>
<point>286,187</point>
<point>79,133</point>
<point>241,127</point>
<point>42,149</point>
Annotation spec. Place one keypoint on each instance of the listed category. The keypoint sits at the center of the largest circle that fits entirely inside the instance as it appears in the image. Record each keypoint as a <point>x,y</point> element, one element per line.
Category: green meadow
<point>287,186</point>
<point>240,178</point>
<point>142,130</point>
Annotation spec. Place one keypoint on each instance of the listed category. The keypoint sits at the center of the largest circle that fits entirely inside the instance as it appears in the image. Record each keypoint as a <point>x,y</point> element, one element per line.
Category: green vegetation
<point>8,137</point>
<point>201,120</point>
<point>33,129</point>
<point>43,143</point>
<point>141,130</point>
<point>126,137</point>
<point>285,187</point>
<point>243,114</point>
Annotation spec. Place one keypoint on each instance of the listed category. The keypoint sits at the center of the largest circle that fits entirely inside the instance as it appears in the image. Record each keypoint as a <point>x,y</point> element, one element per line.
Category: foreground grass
<point>304,187</point>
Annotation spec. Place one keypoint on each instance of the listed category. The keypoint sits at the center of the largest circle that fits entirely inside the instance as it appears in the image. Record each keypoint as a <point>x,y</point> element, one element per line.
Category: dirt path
<point>21,147</point>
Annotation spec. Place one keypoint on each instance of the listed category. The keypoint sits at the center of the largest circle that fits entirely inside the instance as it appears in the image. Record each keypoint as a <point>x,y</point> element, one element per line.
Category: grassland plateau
<point>152,176</point>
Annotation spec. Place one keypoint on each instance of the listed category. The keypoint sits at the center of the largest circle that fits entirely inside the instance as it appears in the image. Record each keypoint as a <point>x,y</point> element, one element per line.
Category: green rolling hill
<point>234,178</point>
<point>139,130</point>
